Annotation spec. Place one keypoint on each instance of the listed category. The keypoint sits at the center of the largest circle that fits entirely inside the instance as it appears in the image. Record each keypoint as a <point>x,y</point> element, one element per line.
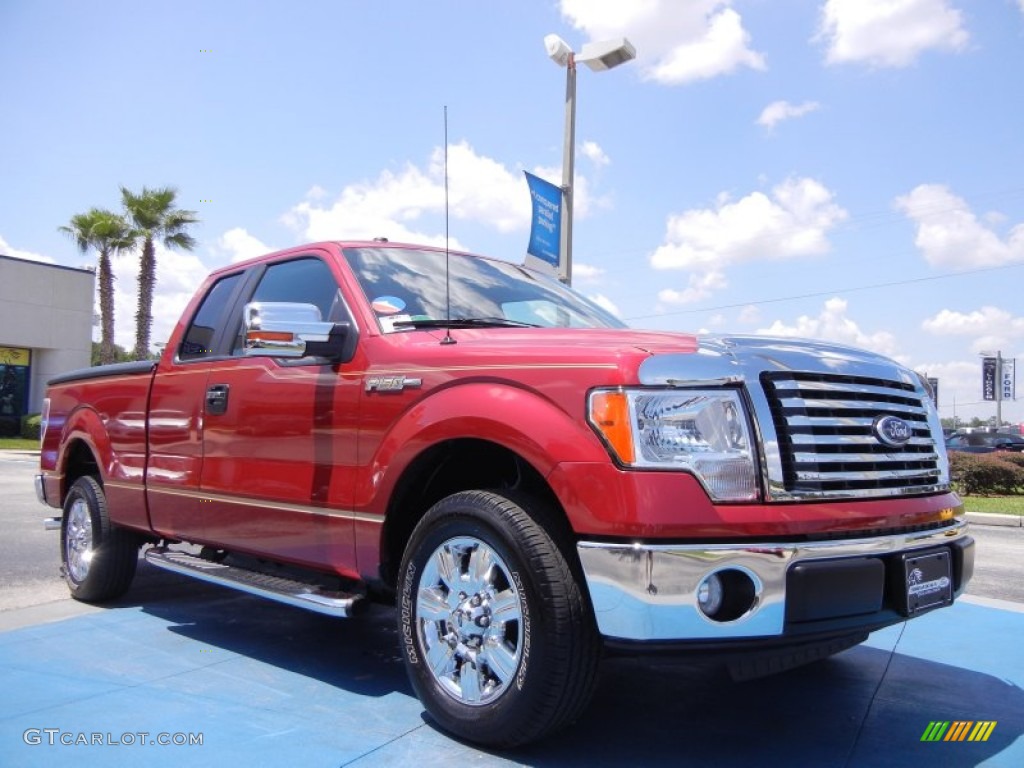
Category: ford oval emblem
<point>892,430</point>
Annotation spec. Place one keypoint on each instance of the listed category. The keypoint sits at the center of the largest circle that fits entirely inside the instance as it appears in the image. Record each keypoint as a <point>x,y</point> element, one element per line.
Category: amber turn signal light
<point>609,413</point>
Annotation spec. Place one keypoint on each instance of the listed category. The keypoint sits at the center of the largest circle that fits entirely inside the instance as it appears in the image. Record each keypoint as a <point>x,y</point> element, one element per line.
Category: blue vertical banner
<point>546,221</point>
<point>988,378</point>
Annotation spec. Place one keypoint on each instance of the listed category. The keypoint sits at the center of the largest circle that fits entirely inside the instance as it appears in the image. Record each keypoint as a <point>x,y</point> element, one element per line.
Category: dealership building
<point>46,318</point>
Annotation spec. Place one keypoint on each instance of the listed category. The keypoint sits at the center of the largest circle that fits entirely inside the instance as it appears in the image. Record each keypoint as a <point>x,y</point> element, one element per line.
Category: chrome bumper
<point>50,523</point>
<point>648,592</point>
<point>40,489</point>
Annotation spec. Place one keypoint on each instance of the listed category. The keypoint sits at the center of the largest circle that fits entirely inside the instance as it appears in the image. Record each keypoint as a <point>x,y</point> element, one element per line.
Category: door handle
<point>217,399</point>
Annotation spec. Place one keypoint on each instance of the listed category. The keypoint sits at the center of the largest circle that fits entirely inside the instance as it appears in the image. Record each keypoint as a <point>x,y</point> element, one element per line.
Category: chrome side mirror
<point>293,330</point>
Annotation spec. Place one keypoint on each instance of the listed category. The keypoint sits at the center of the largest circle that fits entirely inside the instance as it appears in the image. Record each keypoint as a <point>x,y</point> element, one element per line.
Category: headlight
<point>701,431</point>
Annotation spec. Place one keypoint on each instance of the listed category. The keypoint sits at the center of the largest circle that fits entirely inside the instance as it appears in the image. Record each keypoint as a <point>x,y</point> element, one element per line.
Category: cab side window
<point>199,338</point>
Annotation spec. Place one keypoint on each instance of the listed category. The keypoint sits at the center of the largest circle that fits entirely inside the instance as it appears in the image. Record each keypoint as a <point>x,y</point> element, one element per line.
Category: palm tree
<point>108,233</point>
<point>154,217</point>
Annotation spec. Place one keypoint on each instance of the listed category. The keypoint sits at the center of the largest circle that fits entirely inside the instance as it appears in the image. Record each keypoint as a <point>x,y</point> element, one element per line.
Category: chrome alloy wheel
<point>78,540</point>
<point>470,620</point>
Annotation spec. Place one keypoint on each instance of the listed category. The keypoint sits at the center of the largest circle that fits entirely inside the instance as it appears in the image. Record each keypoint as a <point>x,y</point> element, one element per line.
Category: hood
<point>722,359</point>
<point>600,340</point>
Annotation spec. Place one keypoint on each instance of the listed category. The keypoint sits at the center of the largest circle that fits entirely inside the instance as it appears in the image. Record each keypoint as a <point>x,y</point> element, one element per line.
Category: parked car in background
<point>984,442</point>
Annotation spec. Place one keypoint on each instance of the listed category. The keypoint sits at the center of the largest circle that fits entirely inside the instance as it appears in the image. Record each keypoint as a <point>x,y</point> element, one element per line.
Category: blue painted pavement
<point>267,685</point>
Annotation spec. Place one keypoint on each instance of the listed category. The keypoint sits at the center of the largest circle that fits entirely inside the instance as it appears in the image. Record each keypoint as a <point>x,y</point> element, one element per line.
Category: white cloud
<point>605,303</point>
<point>984,320</point>
<point>586,272</point>
<point>749,315</point>
<point>395,203</point>
<point>699,287</point>
<point>676,42</point>
<point>833,324</point>
<point>593,152</point>
<point>889,33</point>
<point>792,222</point>
<point>950,235</point>
<point>239,245</point>
<point>778,111</point>
<point>6,249</point>
<point>991,327</point>
<point>958,381</point>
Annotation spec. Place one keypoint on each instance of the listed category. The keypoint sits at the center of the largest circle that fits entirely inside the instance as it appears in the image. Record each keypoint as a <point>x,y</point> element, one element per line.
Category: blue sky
<point>849,170</point>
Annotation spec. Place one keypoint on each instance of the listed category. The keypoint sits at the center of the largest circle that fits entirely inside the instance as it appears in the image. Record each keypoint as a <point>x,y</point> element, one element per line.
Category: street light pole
<point>568,168</point>
<point>599,56</point>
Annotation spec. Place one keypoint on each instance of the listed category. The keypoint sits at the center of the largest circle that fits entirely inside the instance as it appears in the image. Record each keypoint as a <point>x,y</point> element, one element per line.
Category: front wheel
<point>497,634</point>
<point>98,558</point>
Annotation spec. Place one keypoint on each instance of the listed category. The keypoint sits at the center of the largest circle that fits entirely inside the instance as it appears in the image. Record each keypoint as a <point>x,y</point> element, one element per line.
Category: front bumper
<point>648,592</point>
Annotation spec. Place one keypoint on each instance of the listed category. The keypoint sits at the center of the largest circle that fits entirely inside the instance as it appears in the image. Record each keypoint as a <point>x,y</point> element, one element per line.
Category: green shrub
<point>986,473</point>
<point>31,426</point>
<point>1017,459</point>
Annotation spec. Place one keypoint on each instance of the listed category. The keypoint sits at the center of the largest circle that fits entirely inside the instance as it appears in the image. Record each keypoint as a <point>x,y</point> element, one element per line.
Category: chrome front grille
<point>827,442</point>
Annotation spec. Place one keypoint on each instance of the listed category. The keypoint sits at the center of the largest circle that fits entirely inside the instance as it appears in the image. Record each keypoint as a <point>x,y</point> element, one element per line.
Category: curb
<point>988,518</point>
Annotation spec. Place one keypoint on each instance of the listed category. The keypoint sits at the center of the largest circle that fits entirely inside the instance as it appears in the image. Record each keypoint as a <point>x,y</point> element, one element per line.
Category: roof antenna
<point>447,274</point>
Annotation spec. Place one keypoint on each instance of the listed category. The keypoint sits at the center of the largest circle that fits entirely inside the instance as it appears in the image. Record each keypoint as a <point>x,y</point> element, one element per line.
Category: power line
<point>817,294</point>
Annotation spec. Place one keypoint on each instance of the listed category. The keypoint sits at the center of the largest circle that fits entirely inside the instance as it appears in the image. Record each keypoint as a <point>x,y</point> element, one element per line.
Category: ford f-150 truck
<point>528,481</point>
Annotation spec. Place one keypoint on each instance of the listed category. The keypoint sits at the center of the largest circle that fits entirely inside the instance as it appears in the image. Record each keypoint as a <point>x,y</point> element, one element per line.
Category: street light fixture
<point>599,56</point>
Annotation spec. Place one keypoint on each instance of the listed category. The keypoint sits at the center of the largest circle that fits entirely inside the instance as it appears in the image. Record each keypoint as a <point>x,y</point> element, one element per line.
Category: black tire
<point>98,558</point>
<point>511,654</point>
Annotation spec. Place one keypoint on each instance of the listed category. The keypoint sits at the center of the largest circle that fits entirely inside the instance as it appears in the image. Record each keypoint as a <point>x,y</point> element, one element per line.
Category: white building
<point>46,317</point>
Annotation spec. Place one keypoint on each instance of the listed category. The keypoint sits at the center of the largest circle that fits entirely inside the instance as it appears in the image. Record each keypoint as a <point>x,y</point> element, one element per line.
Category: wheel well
<point>447,468</point>
<point>79,462</point>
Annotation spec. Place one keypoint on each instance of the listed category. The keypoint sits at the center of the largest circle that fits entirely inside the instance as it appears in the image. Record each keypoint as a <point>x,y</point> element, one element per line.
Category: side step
<point>283,590</point>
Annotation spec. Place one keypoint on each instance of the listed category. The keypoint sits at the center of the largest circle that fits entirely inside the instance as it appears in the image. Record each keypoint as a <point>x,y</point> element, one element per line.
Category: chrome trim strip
<point>874,474</point>
<point>859,388</point>
<point>40,489</point>
<point>839,404</point>
<point>861,458</point>
<point>649,591</point>
<point>849,421</point>
<point>280,506</point>
<point>813,441</point>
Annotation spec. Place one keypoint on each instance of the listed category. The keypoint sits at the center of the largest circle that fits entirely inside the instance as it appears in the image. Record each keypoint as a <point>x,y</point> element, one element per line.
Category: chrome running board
<point>281,589</point>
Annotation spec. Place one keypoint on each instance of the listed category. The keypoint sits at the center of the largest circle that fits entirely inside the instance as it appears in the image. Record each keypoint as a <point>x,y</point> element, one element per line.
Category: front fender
<point>521,420</point>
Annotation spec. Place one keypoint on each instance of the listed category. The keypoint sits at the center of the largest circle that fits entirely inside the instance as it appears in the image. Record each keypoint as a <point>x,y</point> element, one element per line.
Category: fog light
<point>709,595</point>
<point>728,594</point>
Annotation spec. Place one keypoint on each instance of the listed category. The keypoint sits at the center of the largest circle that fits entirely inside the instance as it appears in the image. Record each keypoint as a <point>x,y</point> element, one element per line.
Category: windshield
<point>406,288</point>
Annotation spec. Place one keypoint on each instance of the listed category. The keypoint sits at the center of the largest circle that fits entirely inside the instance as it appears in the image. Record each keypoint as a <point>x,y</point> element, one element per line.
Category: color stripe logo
<point>959,730</point>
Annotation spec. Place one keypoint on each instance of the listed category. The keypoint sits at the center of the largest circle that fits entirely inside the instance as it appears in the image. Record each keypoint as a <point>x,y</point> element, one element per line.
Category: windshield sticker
<point>387,305</point>
<point>387,324</point>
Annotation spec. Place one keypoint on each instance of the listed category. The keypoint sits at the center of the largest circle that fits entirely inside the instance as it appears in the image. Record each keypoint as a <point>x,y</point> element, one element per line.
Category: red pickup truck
<point>530,482</point>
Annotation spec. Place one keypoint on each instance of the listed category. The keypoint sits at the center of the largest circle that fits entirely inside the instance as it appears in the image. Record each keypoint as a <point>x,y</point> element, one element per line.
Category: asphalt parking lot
<point>258,683</point>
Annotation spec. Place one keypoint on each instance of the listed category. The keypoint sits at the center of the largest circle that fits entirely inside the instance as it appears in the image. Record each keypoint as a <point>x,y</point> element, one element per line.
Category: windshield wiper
<point>464,322</point>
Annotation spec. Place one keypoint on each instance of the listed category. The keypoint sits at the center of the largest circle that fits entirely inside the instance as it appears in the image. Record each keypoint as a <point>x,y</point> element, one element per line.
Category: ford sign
<point>892,430</point>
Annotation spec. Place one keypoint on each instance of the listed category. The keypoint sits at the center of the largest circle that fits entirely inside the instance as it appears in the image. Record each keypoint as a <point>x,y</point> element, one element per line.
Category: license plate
<point>929,580</point>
